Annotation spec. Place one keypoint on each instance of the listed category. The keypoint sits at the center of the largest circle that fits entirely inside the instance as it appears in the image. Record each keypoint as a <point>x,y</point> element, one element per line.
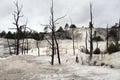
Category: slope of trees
<point>113,33</point>
<point>27,34</point>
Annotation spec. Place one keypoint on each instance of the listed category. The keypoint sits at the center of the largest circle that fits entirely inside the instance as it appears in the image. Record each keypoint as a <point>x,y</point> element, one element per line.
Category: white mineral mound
<point>113,59</point>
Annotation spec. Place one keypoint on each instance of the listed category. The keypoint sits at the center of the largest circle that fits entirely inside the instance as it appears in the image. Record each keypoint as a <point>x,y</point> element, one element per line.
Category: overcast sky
<point>38,11</point>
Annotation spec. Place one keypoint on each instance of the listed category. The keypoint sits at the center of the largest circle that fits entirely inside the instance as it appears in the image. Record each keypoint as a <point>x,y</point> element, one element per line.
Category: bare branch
<point>45,25</point>
<point>46,29</point>
<point>15,12</point>
<point>59,18</point>
<point>20,8</point>
<point>12,28</point>
<point>14,16</point>
<point>14,23</point>
<point>48,41</point>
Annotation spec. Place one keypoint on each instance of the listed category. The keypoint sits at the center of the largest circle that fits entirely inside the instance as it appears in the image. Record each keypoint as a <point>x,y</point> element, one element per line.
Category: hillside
<point>79,34</point>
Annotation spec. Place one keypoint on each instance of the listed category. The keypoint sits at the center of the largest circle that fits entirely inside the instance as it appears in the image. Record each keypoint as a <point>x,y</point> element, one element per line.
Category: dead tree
<point>37,42</point>
<point>23,37</point>
<point>57,46</point>
<point>73,41</point>
<point>86,42</point>
<point>72,26</point>
<point>23,43</point>
<point>54,43</point>
<point>118,34</point>
<point>54,40</point>
<point>17,15</point>
<point>66,29</point>
<point>24,28</point>
<point>91,30</point>
<point>27,44</point>
<point>119,30</point>
<point>53,31</point>
<point>27,41</point>
<point>95,36</point>
<point>9,46</point>
<point>114,34</point>
<point>107,37</point>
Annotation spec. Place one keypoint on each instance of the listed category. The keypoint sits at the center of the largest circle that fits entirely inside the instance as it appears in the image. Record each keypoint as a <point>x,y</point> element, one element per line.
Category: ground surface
<point>30,67</point>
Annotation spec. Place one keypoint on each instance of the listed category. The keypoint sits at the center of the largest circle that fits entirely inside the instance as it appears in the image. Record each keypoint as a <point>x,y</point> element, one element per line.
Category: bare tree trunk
<point>91,26</point>
<point>37,43</point>
<point>9,47</point>
<point>23,43</point>
<point>15,46</point>
<point>27,44</point>
<point>119,30</point>
<point>118,37</point>
<point>23,47</point>
<point>119,34</point>
<point>97,44</point>
<point>107,38</point>
<point>18,42</point>
<point>86,42</point>
<point>53,31</point>
<point>91,44</point>
<point>54,44</point>
<point>53,49</point>
<point>57,49</point>
<point>54,40</point>
<point>73,42</point>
